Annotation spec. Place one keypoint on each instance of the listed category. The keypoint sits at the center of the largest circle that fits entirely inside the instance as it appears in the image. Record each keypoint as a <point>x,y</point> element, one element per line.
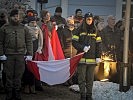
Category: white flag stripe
<point>54,72</point>
<point>50,51</point>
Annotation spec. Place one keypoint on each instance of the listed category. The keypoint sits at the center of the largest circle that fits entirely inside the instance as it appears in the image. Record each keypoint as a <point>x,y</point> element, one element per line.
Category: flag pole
<point>125,74</point>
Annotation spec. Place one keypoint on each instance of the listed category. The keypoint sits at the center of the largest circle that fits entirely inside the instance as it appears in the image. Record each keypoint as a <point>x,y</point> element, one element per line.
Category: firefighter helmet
<point>89,14</point>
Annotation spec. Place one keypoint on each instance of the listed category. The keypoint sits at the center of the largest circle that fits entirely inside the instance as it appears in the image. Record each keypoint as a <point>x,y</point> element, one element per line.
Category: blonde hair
<point>71,18</point>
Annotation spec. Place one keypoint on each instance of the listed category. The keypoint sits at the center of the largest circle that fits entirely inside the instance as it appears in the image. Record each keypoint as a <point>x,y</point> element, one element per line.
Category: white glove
<point>56,27</point>
<point>28,58</point>
<point>61,25</point>
<point>39,50</point>
<point>3,57</point>
<point>98,60</point>
<point>86,48</point>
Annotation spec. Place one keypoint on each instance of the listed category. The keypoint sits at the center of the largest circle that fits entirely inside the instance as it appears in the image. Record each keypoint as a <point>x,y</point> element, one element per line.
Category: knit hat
<point>31,12</point>
<point>58,9</point>
<point>89,14</point>
<point>31,18</point>
<point>14,12</point>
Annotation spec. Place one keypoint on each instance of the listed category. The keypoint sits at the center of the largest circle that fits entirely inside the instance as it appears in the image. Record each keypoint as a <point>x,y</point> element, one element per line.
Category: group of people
<point>21,39</point>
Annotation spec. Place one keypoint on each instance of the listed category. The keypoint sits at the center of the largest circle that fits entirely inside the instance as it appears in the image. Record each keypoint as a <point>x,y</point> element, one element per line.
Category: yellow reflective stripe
<point>83,33</point>
<point>92,34</point>
<point>98,39</point>
<point>90,60</point>
<point>87,60</point>
<point>82,60</point>
<point>75,37</point>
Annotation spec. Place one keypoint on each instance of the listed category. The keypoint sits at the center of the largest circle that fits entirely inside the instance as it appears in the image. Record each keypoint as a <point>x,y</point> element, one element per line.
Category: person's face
<point>100,26</point>
<point>32,23</point>
<point>79,13</point>
<point>58,13</point>
<point>111,21</point>
<point>70,22</point>
<point>89,20</point>
<point>15,18</point>
<point>47,17</point>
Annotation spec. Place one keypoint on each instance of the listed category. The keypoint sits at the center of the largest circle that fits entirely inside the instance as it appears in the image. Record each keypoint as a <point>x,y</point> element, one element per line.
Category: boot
<point>9,95</point>
<point>2,89</point>
<point>38,85</point>
<point>26,89</point>
<point>88,97</point>
<point>32,89</point>
<point>17,95</point>
<point>83,97</point>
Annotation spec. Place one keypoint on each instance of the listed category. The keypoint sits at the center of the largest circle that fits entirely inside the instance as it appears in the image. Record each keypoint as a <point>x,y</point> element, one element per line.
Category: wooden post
<point>124,84</point>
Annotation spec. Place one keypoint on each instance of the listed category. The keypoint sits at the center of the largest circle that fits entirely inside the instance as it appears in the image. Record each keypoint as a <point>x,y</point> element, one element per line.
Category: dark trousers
<point>28,77</point>
<point>14,68</point>
<point>85,78</point>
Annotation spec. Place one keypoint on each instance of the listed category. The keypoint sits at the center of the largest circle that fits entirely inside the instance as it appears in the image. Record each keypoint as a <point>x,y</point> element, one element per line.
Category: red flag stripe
<point>74,62</point>
<point>56,46</point>
<point>32,66</point>
<point>55,71</point>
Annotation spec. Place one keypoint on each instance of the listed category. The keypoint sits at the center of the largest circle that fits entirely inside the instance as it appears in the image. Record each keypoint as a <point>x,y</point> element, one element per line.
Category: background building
<point>97,7</point>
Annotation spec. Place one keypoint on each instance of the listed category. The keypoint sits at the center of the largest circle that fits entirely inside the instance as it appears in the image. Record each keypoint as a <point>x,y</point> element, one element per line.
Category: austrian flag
<point>54,71</point>
<point>51,66</point>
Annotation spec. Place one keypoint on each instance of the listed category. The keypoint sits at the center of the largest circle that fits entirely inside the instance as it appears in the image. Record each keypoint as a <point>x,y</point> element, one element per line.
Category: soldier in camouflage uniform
<point>15,43</point>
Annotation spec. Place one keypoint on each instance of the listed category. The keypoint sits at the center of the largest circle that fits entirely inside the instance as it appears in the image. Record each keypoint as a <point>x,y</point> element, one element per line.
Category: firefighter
<point>87,40</point>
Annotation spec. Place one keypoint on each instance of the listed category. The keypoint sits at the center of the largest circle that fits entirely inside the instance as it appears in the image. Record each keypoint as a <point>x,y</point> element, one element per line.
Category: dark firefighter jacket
<point>15,40</point>
<point>68,49</point>
<point>81,39</point>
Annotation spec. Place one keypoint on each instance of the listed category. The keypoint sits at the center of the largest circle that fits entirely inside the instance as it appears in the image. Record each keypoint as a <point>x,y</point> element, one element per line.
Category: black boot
<point>88,97</point>
<point>83,97</point>
<point>2,89</point>
<point>9,95</point>
<point>18,95</point>
<point>38,85</point>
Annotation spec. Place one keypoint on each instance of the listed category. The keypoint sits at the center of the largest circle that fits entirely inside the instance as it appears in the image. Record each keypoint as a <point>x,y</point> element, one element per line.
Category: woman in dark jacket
<point>87,40</point>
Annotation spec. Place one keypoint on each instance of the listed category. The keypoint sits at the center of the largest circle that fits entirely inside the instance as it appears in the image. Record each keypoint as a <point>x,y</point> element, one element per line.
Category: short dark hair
<point>58,9</point>
<point>14,12</point>
<point>77,10</point>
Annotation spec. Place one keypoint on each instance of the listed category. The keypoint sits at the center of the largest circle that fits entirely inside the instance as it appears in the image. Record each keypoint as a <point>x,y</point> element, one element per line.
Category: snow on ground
<point>108,91</point>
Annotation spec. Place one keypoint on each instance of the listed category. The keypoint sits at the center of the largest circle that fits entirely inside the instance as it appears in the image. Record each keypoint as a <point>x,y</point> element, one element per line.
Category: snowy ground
<point>108,91</point>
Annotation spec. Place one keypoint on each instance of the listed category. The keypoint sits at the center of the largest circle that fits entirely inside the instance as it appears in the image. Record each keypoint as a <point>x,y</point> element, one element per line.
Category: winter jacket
<point>15,40</point>
<point>37,34</point>
<point>90,38</point>
<point>59,20</point>
<point>112,43</point>
<point>69,50</point>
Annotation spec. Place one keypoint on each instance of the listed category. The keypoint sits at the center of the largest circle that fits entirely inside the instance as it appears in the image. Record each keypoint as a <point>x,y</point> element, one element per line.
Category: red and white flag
<point>52,48</point>
<point>51,66</point>
<point>54,71</point>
